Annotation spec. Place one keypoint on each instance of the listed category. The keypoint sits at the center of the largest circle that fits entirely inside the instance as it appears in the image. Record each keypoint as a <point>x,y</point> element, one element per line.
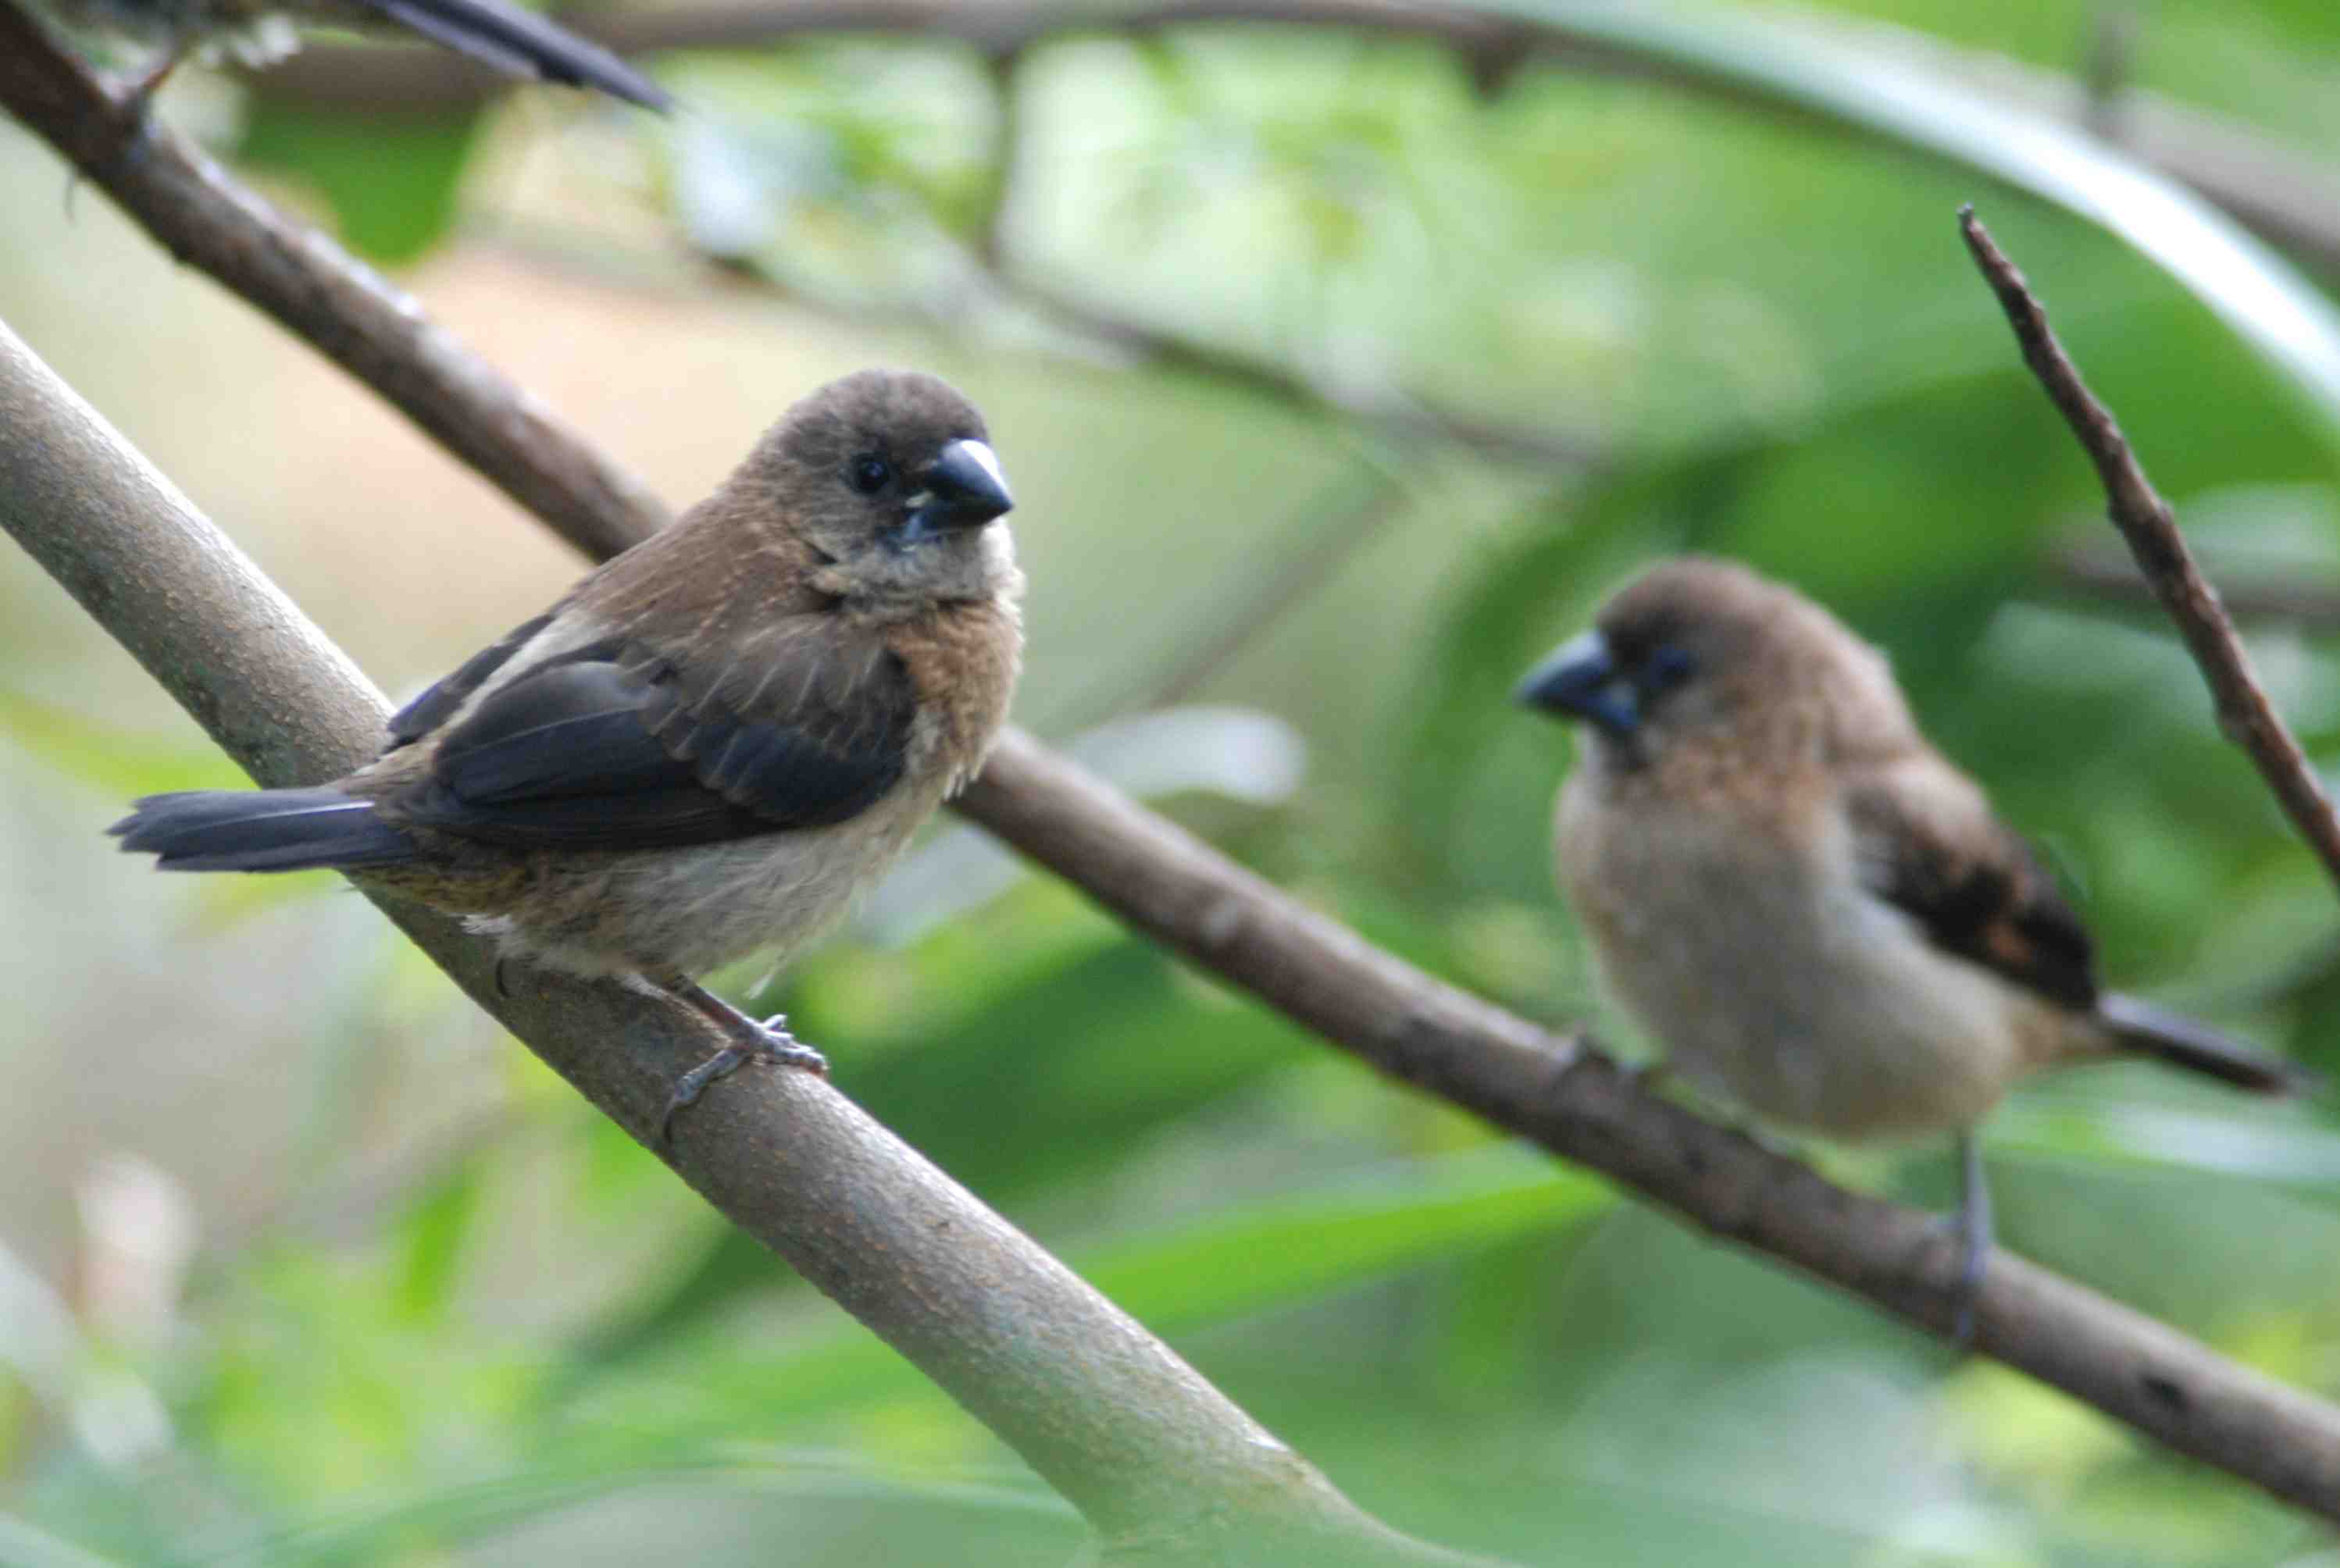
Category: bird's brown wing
<point>617,745</point>
<point>440,702</point>
<point>1930,845</point>
<point>522,43</point>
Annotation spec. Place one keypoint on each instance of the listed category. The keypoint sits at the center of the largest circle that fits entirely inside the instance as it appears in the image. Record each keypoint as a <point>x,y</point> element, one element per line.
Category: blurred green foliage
<point>393,189</point>
<point>532,1344</point>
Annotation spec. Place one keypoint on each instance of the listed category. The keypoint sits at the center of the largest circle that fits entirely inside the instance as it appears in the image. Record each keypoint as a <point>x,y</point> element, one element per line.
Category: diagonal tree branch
<point>1579,1104</point>
<point>2149,524</point>
<point>1163,1465</point>
<point>1556,1090</point>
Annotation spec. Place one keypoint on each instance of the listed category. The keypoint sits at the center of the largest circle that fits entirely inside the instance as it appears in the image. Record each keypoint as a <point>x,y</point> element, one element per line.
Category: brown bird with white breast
<point>1814,911</point>
<point>705,747</point>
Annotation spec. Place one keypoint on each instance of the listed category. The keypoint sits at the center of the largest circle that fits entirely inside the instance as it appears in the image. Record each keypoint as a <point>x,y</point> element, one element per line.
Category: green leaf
<point>23,1545</point>
<point>409,1526</point>
<point>119,762</point>
<point>1251,1259</point>
<point>391,182</point>
<point>433,1233</point>
<point>1896,98</point>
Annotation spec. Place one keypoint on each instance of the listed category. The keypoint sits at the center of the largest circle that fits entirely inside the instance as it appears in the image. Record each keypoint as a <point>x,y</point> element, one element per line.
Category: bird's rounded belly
<point>690,910</point>
<point>1829,1014</point>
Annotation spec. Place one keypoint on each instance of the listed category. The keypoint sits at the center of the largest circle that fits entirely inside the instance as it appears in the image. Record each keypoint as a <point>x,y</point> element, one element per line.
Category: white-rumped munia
<point>1812,910</point>
<point>705,747</point>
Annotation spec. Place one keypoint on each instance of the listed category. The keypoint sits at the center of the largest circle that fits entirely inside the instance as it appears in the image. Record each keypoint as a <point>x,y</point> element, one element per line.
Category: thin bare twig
<point>2150,526</point>
<point>1575,1102</point>
<point>1160,1463</point>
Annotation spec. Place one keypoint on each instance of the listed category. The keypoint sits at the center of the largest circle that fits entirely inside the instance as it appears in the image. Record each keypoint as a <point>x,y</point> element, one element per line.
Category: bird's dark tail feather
<point>2181,1041</point>
<point>523,43</point>
<point>262,830</point>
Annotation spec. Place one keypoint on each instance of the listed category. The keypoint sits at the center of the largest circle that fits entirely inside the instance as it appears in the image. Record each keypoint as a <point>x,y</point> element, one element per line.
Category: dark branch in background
<point>2283,196</point>
<point>1394,414</point>
<point>1346,515</point>
<point>1159,1462</point>
<point>413,81</point>
<point>1094,332</point>
<point>2150,527</point>
<point>1101,332</point>
<point>344,310</point>
<point>2110,575</point>
<point>1557,1091</point>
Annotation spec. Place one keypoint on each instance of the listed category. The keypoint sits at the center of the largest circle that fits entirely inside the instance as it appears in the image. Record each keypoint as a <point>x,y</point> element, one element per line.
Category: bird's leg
<point>768,1041</point>
<point>1973,1228</point>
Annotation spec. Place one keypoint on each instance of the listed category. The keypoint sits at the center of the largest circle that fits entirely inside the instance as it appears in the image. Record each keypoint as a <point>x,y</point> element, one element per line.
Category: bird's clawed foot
<point>769,1042</point>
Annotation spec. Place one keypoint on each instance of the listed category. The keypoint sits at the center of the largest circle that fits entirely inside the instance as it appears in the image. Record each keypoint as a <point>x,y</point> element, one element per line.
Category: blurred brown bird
<point>705,747</point>
<point>1812,910</point>
<point>496,33</point>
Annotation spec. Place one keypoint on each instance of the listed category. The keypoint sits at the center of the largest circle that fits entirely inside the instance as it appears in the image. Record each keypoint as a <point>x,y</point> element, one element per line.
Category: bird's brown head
<point>1702,653</point>
<point>889,478</point>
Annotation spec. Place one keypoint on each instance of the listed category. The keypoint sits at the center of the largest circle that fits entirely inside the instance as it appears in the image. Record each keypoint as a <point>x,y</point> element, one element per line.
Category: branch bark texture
<point>2149,524</point>
<point>1161,1462</point>
<point>1553,1089</point>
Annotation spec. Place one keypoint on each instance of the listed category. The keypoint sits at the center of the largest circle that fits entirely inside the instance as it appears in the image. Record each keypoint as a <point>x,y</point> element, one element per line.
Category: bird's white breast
<point>688,910</point>
<point>1771,976</point>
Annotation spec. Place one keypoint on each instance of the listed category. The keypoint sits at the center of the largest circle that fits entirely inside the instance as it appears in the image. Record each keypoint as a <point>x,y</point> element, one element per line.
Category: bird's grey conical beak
<point>1580,680</point>
<point>964,489</point>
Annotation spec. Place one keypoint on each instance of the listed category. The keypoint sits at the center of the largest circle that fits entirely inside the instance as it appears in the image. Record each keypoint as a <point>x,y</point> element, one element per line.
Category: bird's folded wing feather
<point>617,746</point>
<point>1928,844</point>
<point>444,699</point>
<point>514,40</point>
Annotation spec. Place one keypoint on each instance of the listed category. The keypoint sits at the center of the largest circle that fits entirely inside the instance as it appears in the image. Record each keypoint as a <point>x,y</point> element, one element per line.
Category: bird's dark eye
<point>1669,666</point>
<point>869,472</point>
